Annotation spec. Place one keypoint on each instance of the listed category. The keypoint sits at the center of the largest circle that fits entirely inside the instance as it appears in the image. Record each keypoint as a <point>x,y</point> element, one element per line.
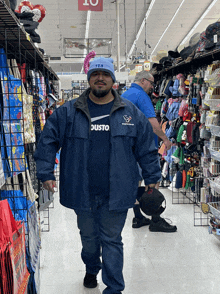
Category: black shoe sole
<point>136,226</point>
<point>162,231</point>
<point>90,286</point>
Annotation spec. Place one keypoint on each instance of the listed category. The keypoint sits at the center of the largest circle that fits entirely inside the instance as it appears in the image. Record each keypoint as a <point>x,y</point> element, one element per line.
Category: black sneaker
<point>90,281</point>
<point>140,222</point>
<point>162,226</point>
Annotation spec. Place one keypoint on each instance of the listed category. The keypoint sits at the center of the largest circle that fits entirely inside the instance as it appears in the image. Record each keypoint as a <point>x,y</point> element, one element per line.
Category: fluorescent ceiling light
<point>198,22</point>
<point>168,26</point>
<point>141,28</point>
<point>86,34</point>
<point>122,66</point>
<point>87,24</point>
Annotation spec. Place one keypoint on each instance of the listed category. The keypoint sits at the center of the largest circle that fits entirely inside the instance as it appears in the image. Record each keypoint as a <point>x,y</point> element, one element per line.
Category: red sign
<point>93,5</point>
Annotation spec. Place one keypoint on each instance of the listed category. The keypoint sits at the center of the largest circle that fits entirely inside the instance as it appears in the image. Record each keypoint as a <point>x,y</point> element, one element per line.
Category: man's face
<point>100,83</point>
<point>148,84</point>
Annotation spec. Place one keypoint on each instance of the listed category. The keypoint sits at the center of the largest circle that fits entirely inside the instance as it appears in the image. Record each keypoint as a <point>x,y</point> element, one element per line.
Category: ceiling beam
<point>141,28</point>
<point>206,11</point>
<point>175,14</point>
<point>86,33</point>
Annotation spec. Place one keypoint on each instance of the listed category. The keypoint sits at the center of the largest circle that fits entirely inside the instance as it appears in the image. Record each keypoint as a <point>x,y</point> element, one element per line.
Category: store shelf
<point>215,154</point>
<point>205,58</point>
<point>215,130</point>
<point>214,208</point>
<point>215,186</point>
<point>214,231</point>
<point>19,41</point>
<point>214,104</point>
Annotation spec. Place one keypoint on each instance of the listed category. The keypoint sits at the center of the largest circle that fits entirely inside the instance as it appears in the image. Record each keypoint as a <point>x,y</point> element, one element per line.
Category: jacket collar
<point>137,86</point>
<point>82,103</point>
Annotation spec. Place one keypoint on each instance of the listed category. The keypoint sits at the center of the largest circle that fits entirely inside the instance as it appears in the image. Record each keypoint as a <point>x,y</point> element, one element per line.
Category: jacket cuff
<point>44,178</point>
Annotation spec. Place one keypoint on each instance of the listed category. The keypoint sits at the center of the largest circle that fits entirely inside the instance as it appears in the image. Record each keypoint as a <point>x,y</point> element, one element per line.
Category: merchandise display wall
<point>189,111</point>
<point>28,97</point>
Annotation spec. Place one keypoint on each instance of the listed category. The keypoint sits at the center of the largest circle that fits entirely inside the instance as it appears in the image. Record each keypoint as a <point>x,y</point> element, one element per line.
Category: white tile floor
<point>185,262</point>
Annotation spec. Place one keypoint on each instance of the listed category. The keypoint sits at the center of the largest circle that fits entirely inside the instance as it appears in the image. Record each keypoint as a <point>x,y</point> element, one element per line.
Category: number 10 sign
<point>93,5</point>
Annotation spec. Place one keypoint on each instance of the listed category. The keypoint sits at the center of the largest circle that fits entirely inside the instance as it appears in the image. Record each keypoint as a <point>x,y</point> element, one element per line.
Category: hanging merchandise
<point>29,134</point>
<point>213,36</point>
<point>158,106</point>
<point>182,86</point>
<point>42,117</point>
<point>26,102</point>
<point>175,88</point>
<point>179,179</point>
<point>22,70</point>
<point>32,169</point>
<point>173,109</point>
<point>41,87</point>
<point>2,176</point>
<point>5,162</point>
<point>13,263</point>
<point>168,84</point>
<point>190,181</point>
<point>12,115</point>
<point>18,204</point>
<point>30,16</point>
<point>12,99</point>
<point>183,108</point>
<point>51,100</point>
<point>178,155</point>
<point>24,210</point>
<point>165,169</point>
<point>33,251</point>
<point>26,182</point>
<point>33,229</point>
<point>15,147</point>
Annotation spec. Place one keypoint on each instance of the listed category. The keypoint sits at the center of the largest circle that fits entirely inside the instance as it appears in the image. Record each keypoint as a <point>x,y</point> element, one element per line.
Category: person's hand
<point>168,144</point>
<point>150,186</point>
<point>50,185</point>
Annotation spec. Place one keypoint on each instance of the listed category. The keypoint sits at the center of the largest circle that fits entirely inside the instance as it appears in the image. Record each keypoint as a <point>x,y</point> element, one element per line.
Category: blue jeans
<point>100,231</point>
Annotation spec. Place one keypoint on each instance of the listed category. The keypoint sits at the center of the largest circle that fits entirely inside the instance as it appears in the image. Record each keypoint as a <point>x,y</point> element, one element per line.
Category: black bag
<point>151,201</point>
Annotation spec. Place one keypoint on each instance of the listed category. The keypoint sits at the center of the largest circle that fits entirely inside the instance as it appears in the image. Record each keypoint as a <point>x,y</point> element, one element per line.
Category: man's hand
<point>150,186</point>
<point>168,144</point>
<point>50,185</point>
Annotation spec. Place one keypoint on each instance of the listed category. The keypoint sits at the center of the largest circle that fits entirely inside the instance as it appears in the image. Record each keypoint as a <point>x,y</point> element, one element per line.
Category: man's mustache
<point>100,82</point>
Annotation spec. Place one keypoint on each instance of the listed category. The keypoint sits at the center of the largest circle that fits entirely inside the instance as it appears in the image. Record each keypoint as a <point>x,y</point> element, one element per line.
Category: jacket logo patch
<point>127,120</point>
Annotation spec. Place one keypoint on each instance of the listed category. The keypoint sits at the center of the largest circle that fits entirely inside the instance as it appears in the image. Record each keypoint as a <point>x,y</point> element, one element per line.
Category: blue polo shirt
<point>139,97</point>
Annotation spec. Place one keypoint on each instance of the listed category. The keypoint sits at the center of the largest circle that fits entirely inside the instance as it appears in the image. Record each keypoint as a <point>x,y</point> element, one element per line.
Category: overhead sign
<point>93,5</point>
<point>138,68</point>
<point>147,65</point>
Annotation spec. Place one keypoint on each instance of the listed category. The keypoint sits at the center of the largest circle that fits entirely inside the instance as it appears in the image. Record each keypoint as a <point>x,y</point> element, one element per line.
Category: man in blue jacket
<point>138,94</point>
<point>102,137</point>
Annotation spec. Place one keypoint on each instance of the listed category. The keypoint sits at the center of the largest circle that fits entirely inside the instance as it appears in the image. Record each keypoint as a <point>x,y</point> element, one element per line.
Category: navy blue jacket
<point>132,141</point>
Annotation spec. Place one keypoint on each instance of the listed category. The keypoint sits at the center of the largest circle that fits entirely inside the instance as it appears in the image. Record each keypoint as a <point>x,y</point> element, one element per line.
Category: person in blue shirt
<point>102,136</point>
<point>138,95</point>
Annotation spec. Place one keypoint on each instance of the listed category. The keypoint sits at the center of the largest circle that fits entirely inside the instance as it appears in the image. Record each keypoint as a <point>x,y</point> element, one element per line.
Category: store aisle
<point>185,262</point>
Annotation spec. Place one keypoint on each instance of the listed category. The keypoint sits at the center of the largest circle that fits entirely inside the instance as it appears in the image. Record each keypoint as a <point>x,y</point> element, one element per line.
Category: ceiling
<point>167,24</point>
